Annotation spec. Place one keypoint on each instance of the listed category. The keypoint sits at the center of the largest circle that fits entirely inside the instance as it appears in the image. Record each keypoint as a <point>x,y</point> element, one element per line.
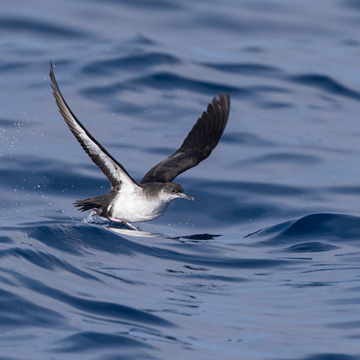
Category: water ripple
<point>79,239</point>
<point>95,340</point>
<point>45,261</point>
<point>314,226</point>
<point>38,27</point>
<point>165,81</point>
<point>30,315</point>
<point>327,84</point>
<point>105,309</point>
<point>130,63</point>
<point>246,68</point>
<point>311,246</point>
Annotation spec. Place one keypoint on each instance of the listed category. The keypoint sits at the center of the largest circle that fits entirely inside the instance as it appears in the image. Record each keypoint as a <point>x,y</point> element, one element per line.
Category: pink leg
<point>128,225</point>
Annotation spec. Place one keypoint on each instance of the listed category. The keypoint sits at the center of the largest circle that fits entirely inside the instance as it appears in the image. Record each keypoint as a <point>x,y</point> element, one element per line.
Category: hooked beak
<point>184,196</point>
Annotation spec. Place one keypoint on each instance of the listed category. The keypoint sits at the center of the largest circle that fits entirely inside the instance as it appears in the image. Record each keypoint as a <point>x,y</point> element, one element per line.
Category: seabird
<point>129,201</point>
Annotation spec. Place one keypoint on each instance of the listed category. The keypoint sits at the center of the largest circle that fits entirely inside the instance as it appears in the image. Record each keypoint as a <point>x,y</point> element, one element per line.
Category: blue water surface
<point>265,264</point>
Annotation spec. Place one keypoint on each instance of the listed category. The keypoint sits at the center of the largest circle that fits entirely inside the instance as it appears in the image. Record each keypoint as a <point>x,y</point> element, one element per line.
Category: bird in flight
<point>129,201</point>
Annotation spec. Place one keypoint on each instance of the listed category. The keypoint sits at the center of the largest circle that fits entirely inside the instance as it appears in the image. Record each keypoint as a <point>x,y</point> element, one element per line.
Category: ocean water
<point>265,264</point>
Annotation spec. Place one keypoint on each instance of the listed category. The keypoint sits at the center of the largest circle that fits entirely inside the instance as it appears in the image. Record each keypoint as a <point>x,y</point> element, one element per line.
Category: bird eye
<point>172,190</point>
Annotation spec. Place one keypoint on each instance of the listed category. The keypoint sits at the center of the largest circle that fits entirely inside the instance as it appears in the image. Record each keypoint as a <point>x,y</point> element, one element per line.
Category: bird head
<point>171,191</point>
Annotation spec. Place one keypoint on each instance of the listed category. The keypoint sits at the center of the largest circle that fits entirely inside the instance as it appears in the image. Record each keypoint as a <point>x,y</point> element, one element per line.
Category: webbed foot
<point>127,224</point>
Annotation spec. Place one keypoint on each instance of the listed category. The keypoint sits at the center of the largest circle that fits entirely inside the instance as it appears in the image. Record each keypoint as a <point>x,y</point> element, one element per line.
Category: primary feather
<point>198,145</point>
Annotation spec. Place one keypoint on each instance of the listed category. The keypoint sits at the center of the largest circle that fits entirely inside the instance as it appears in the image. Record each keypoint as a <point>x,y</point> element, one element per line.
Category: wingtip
<point>51,74</point>
<point>226,97</point>
<point>222,98</point>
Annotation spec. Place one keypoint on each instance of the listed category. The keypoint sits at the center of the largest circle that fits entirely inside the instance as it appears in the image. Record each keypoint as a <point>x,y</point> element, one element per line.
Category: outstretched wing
<point>113,170</point>
<point>197,146</point>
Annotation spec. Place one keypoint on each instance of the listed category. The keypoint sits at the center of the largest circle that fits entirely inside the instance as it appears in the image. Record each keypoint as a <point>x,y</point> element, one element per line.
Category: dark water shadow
<point>315,229</point>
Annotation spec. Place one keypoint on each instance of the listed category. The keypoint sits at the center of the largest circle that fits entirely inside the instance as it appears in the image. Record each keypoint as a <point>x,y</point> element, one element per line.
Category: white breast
<point>133,206</point>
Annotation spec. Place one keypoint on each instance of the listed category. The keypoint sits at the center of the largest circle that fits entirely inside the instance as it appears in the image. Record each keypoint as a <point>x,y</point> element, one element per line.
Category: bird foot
<point>128,225</point>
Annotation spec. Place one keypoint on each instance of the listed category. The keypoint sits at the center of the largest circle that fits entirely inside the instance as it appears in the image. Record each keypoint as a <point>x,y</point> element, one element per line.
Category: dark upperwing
<point>198,145</point>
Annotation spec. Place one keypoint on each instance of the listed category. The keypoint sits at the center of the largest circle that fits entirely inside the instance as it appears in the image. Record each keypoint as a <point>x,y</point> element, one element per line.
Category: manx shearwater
<point>129,201</point>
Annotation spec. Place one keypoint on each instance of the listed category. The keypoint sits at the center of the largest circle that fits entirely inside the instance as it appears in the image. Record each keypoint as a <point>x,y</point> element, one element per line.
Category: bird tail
<point>90,203</point>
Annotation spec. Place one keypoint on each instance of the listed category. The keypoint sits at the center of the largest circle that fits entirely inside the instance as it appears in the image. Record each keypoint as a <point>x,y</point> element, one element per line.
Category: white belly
<point>130,208</point>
